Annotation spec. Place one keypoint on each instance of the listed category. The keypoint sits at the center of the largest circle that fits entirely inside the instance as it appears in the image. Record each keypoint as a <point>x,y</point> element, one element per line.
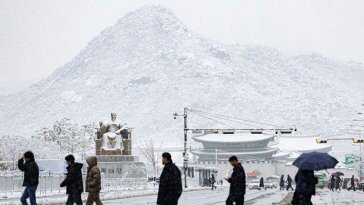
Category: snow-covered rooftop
<point>231,138</point>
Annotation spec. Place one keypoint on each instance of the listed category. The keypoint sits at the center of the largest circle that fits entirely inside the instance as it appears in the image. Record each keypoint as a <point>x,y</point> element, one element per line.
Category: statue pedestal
<point>119,164</point>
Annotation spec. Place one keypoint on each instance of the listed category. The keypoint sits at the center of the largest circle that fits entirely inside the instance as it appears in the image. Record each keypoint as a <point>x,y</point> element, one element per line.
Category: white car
<point>254,184</point>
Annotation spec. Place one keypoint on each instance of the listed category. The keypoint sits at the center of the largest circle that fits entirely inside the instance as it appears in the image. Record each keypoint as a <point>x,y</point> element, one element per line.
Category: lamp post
<point>185,129</point>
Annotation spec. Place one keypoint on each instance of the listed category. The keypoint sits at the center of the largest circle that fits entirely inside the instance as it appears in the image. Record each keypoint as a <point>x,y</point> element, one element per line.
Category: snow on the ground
<point>327,197</point>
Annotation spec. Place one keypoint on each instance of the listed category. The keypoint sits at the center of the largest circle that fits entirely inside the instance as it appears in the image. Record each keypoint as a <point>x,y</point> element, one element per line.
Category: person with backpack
<point>73,181</point>
<point>30,168</point>
<point>93,182</point>
<point>170,186</point>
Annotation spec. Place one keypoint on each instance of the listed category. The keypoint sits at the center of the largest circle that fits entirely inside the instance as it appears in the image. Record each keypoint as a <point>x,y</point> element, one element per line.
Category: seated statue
<point>111,137</point>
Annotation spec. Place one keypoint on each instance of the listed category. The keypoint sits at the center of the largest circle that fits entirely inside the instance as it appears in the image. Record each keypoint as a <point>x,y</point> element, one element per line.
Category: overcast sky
<point>37,36</point>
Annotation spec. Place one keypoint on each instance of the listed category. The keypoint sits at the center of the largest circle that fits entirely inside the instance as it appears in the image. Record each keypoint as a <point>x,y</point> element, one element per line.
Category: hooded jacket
<point>73,180</point>
<point>93,179</point>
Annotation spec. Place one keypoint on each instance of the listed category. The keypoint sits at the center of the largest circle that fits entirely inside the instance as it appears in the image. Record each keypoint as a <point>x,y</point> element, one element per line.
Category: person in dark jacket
<point>261,183</point>
<point>170,185</point>
<point>237,183</point>
<point>212,181</point>
<point>30,168</point>
<point>73,181</point>
<point>281,183</point>
<point>305,187</point>
<point>332,183</point>
<point>352,183</point>
<point>93,182</point>
<point>289,183</point>
<point>337,183</point>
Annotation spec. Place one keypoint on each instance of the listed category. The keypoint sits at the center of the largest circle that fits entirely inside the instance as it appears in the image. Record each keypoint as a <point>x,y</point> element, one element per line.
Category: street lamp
<point>185,157</point>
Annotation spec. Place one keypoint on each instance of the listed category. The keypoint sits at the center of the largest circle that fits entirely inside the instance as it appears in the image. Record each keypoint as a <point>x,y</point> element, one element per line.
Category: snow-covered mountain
<point>149,65</point>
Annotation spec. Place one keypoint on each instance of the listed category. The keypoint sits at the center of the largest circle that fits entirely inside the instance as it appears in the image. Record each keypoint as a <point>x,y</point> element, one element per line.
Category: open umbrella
<point>338,174</point>
<point>315,161</point>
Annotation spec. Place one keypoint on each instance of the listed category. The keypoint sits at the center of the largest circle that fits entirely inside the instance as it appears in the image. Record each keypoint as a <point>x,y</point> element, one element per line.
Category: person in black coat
<point>237,183</point>
<point>212,181</point>
<point>73,181</point>
<point>281,183</point>
<point>170,185</point>
<point>305,187</point>
<point>332,183</point>
<point>337,183</point>
<point>30,168</point>
<point>352,183</point>
<point>261,183</point>
<point>289,183</point>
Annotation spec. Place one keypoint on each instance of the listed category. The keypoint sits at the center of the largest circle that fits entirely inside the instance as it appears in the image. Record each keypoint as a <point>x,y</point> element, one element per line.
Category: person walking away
<point>305,187</point>
<point>73,181</point>
<point>30,168</point>
<point>332,182</point>
<point>289,183</point>
<point>337,183</point>
<point>352,183</point>
<point>237,183</point>
<point>170,186</point>
<point>212,182</point>
<point>261,183</point>
<point>281,183</point>
<point>93,182</point>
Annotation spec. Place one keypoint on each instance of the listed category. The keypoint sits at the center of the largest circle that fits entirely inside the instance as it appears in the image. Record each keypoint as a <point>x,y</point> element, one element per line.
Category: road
<point>208,197</point>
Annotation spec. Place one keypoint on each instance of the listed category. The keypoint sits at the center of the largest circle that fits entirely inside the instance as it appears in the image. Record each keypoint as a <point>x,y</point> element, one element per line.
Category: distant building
<point>218,146</point>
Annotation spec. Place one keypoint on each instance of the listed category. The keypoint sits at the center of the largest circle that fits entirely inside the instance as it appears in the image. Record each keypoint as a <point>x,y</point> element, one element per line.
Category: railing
<point>11,183</point>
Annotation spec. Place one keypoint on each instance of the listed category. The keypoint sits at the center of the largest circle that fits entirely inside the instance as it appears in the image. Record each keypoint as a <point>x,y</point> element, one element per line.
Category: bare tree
<point>149,151</point>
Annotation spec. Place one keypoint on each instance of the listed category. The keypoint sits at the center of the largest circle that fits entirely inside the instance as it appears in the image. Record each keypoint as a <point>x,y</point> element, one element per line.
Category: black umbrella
<point>338,174</point>
<point>315,161</point>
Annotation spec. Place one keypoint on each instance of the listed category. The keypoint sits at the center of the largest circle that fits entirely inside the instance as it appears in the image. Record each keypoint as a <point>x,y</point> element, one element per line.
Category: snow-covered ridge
<point>150,65</point>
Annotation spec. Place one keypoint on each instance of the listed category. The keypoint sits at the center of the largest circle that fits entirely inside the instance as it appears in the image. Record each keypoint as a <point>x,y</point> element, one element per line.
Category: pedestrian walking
<point>337,183</point>
<point>30,168</point>
<point>237,183</point>
<point>332,182</point>
<point>352,183</point>
<point>221,181</point>
<point>212,182</point>
<point>289,183</point>
<point>170,187</point>
<point>261,183</point>
<point>73,181</point>
<point>281,183</point>
<point>305,187</point>
<point>93,182</point>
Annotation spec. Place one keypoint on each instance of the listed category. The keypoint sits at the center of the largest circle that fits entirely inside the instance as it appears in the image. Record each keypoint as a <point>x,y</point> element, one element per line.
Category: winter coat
<point>237,182</point>
<point>305,182</point>
<point>31,172</point>
<point>289,180</point>
<point>170,186</point>
<point>332,182</point>
<point>73,180</point>
<point>337,182</point>
<point>281,182</point>
<point>93,179</point>
<point>261,182</point>
<point>352,181</point>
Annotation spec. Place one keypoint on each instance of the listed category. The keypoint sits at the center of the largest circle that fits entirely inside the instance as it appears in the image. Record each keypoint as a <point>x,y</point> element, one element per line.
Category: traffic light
<point>320,141</point>
<point>358,140</point>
